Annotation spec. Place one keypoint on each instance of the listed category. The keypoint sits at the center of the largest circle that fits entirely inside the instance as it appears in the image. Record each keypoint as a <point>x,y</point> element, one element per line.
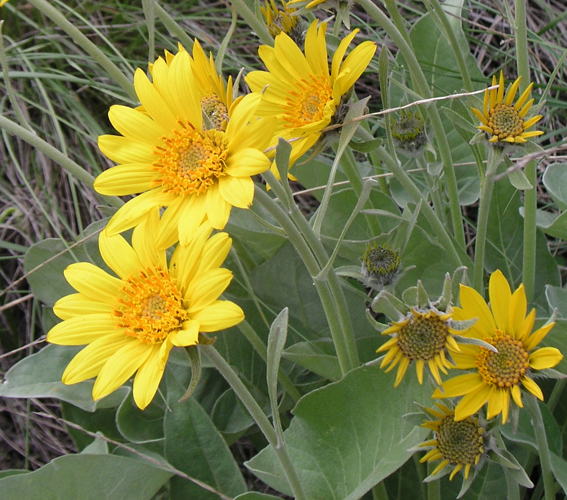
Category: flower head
<point>131,322</point>
<point>196,167</point>
<point>281,19</point>
<point>460,444</point>
<point>300,90</point>
<point>408,132</point>
<point>498,375</point>
<point>425,337</point>
<point>379,266</point>
<point>503,121</point>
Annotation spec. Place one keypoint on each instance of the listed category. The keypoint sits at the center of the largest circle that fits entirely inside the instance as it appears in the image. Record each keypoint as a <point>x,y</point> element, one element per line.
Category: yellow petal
<point>153,102</point>
<point>546,357</point>
<point>81,330</point>
<point>89,361</point>
<point>120,367</point>
<point>404,363</point>
<point>512,92</point>
<point>119,255</point>
<point>144,242</point>
<point>218,316</point>
<point>500,295</point>
<point>496,400</point>
<point>218,209</point>
<point>215,251</point>
<point>93,282</point>
<point>189,335</point>
<point>78,304</point>
<point>532,387</point>
<point>237,191</point>
<point>139,126</point>
<point>533,340</point>
<point>475,307</point>
<point>206,288</point>
<point>458,386</point>
<point>472,402</point>
<point>518,309</point>
<point>148,377</point>
<point>125,150</point>
<point>122,180</point>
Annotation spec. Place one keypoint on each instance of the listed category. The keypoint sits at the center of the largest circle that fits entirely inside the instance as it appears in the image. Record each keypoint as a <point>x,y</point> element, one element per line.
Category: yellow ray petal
<point>81,330</point>
<point>78,304</point>
<point>206,288</point>
<point>518,309</point>
<point>546,357</point>
<point>139,126</point>
<point>93,282</point>
<point>120,367</point>
<point>475,306</point>
<point>500,295</point>
<point>122,180</point>
<point>532,387</point>
<point>458,386</point>
<point>472,402</point>
<point>218,316</point>
<point>218,209</point>
<point>237,191</point>
<point>119,255</point>
<point>148,377</point>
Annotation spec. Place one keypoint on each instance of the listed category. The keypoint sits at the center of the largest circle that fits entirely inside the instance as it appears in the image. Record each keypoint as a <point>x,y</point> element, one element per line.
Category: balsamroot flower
<point>131,322</point>
<point>498,375</point>
<point>503,121</point>
<point>194,166</point>
<point>425,337</point>
<point>281,19</point>
<point>298,88</point>
<point>460,444</point>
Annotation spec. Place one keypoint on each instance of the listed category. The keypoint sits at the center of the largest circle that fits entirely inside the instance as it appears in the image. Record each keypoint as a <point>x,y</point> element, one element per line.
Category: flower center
<point>306,104</point>
<point>190,161</point>
<point>461,443</point>
<point>423,337</point>
<point>149,307</point>
<point>505,368</point>
<point>216,112</point>
<point>505,121</point>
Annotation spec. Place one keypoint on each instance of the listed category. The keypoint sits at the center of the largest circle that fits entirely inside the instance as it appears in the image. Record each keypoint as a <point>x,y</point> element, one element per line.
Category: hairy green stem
<point>494,158</point>
<point>556,394</point>
<point>82,41</point>
<point>534,410</point>
<point>57,156</point>
<point>344,352</point>
<point>260,347</point>
<point>437,226</point>
<point>423,89</point>
<point>348,163</point>
<point>259,417</point>
<point>530,195</point>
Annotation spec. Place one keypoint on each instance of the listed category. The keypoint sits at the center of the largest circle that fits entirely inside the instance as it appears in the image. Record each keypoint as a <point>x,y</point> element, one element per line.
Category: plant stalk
<point>259,417</point>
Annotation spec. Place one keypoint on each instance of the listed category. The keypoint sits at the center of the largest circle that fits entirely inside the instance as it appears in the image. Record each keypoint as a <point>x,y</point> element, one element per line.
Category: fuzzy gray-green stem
<point>541,439</point>
<point>494,158</point>
<point>259,417</point>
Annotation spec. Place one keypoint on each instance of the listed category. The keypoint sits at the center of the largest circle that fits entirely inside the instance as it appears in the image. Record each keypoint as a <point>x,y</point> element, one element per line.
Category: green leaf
<point>39,376</point>
<point>557,299</point>
<point>559,468</point>
<point>194,446</point>
<point>555,181</point>
<point>253,495</point>
<point>318,356</point>
<point>86,477</point>
<point>228,416</point>
<point>552,224</point>
<point>505,240</point>
<point>519,180</point>
<point>140,426</point>
<point>525,433</point>
<point>347,436</point>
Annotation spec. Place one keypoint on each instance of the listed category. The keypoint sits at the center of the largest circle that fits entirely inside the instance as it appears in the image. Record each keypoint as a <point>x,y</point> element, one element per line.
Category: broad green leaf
<point>557,299</point>
<point>45,262</point>
<point>559,467</point>
<point>262,242</point>
<point>228,416</point>
<point>555,181</point>
<point>525,433</point>
<point>140,426</point>
<point>194,446</point>
<point>87,477</point>
<point>552,224</point>
<point>39,376</point>
<point>505,239</point>
<point>348,436</point>
<point>253,495</point>
<point>319,356</point>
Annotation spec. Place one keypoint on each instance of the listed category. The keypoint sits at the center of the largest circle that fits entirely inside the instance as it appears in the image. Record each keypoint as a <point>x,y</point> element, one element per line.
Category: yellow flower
<point>167,153</point>
<point>456,443</point>
<point>216,98</point>
<point>131,322</point>
<point>497,376</point>
<point>502,121</point>
<point>299,89</point>
<point>280,19</point>
<point>2,2</point>
<point>423,337</point>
